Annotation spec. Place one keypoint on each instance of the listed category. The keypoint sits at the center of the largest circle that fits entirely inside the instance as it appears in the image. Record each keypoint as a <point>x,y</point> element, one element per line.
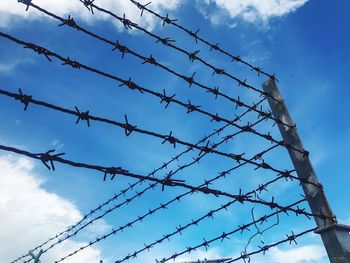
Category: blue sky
<point>304,42</point>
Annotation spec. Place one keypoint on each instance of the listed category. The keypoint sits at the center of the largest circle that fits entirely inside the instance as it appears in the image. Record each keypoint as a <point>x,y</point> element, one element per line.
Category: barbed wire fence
<point>265,210</point>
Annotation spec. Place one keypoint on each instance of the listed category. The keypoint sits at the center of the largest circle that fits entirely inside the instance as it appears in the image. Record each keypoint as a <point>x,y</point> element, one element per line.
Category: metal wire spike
<point>26,2</point>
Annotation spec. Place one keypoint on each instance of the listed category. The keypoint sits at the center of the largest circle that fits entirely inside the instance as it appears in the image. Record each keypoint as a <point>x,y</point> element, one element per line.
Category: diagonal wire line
<point>178,230</point>
<point>195,222</point>
<point>131,85</point>
<point>290,238</point>
<point>49,158</point>
<point>152,61</point>
<point>128,24</point>
<point>131,186</point>
<point>164,206</point>
<point>195,35</point>
<point>128,128</point>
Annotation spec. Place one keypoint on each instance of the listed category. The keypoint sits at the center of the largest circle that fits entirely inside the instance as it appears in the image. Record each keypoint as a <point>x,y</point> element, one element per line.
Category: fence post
<point>335,237</point>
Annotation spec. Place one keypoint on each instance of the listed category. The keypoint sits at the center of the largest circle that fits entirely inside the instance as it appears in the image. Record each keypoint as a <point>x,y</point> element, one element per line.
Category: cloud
<point>304,254</point>
<point>30,214</point>
<point>12,12</point>
<point>248,10</point>
<point>10,66</point>
<point>213,253</point>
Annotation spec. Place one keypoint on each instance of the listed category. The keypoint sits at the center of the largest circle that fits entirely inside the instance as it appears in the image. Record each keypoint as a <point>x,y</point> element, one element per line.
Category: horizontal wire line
<point>151,60</point>
<point>190,107</point>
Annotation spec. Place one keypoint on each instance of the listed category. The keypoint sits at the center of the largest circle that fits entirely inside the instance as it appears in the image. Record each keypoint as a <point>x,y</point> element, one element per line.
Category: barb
<point>167,20</point>
<point>151,60</point>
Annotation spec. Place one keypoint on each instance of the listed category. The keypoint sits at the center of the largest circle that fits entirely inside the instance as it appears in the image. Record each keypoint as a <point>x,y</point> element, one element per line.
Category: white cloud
<point>249,10</point>
<point>213,253</point>
<point>11,65</point>
<point>29,215</point>
<point>11,11</point>
<point>304,254</point>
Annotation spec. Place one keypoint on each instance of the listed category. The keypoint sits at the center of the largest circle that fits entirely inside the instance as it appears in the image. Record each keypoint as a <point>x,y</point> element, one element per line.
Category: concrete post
<point>335,237</point>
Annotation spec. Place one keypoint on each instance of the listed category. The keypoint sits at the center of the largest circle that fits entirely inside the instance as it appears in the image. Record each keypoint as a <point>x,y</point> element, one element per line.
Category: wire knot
<point>128,128</point>
<point>48,159</point>
<point>26,2</point>
<point>39,50</point>
<point>291,238</point>
<point>194,35</point>
<point>88,4</point>
<point>166,99</point>
<point>215,47</point>
<point>165,41</point>
<point>193,56</point>
<point>190,107</point>
<point>150,60</point>
<point>69,22</point>
<point>171,139</point>
<point>84,116</point>
<point>167,20</point>
<point>127,23</point>
<point>140,6</point>
<point>72,63</point>
<point>190,80</point>
<point>131,85</point>
<point>25,99</point>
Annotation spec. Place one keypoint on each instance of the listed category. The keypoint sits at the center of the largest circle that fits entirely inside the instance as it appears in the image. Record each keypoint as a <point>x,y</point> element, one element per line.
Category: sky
<point>305,43</point>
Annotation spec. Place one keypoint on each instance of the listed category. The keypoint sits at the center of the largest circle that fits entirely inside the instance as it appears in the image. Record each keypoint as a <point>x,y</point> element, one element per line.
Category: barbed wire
<point>195,34</point>
<point>133,86</point>
<point>48,159</point>
<point>151,60</point>
<point>179,230</point>
<point>128,128</point>
<point>131,186</point>
<point>178,198</point>
<point>204,146</point>
<point>166,41</point>
<point>290,238</point>
<point>195,222</point>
